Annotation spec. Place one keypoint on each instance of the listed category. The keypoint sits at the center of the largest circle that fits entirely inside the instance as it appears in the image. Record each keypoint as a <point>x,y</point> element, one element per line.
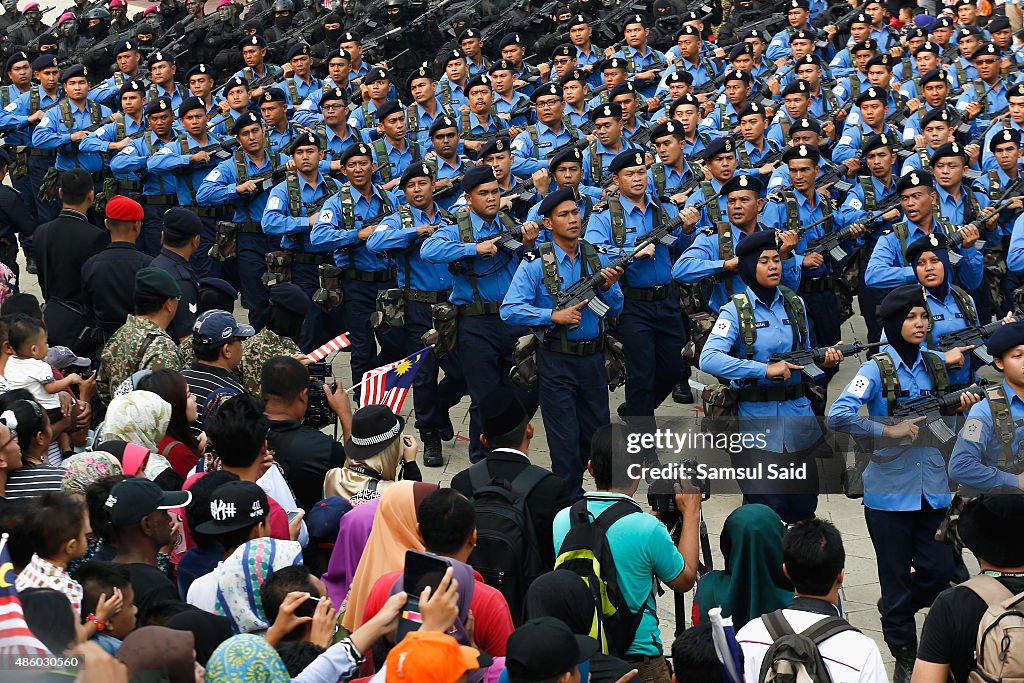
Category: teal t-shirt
<point>642,550</point>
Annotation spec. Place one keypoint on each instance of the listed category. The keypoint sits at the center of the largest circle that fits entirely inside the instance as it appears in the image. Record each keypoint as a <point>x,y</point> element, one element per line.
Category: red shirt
<point>492,622</point>
<point>180,456</point>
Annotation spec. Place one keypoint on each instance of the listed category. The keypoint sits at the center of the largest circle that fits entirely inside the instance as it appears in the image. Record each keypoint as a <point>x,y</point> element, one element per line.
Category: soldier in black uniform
<point>180,240</point>
<point>13,216</point>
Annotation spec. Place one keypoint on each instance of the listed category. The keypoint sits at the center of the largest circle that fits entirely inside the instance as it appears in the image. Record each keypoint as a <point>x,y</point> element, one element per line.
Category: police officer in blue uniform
<point>423,285</point>
<point>906,490</point>
<point>480,280</point>
<point>570,353</point>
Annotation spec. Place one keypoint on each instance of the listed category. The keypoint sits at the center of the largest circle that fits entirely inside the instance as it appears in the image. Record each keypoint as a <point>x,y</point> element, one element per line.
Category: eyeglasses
<point>546,104</point>
<point>985,62</point>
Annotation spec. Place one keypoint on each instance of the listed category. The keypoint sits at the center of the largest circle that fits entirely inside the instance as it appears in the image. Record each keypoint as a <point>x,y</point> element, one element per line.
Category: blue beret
<point>742,182</point>
<point>739,49</point>
<point>915,179</point>
<point>290,296</point>
<point>502,65</point>
<point>246,119</point>
<point>15,58</point>
<point>273,95</point>
<point>388,108</point>
<point>218,284</point>
<point>930,242</point>
<point>417,169</point>
<point>125,46</point>
<point>76,71</point>
<point>182,221</point>
<point>565,194</point>
<point>495,146</point>
<point>1007,337</point>
<point>255,39</point>
<point>132,85</point>
<point>477,175</point>
<point>569,155</point>
<point>627,158</point>
<point>723,145</point>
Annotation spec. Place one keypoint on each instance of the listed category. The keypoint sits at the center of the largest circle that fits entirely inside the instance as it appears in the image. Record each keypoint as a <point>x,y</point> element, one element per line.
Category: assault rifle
<point>18,25</point>
<point>957,238</point>
<point>933,407</point>
<point>975,336</point>
<point>317,204</point>
<point>829,243</point>
<point>580,144</point>
<point>765,25</point>
<point>809,358</point>
<point>507,240</point>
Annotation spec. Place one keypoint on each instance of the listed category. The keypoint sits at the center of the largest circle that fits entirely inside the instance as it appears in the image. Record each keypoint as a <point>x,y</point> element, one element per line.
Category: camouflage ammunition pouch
<point>445,317</point>
<point>48,188</point>
<point>614,362</point>
<point>689,298</point>
<point>524,362</point>
<point>279,268</point>
<point>947,531</point>
<point>20,168</point>
<point>995,270</point>
<point>330,295</point>
<point>701,325</point>
<point>389,310</point>
<point>720,400</point>
<point>225,244</point>
<point>846,286</point>
<point>109,189</point>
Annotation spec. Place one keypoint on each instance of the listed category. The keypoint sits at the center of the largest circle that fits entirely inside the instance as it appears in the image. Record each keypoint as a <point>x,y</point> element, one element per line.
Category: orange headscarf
<point>394,531</point>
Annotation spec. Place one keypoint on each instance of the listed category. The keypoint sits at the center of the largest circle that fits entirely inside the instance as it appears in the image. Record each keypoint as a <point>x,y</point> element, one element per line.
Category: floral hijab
<point>140,417</point>
<point>242,574</point>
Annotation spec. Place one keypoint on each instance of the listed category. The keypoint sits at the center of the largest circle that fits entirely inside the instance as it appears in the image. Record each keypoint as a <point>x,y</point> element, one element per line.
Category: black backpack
<point>586,552</point>
<point>795,656</point>
<point>507,554</point>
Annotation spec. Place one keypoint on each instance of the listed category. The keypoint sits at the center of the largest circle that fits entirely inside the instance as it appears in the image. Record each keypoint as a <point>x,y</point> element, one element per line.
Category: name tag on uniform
<point>761,324</point>
<point>630,229</point>
<point>543,144</point>
<point>938,317</point>
<point>959,315</point>
<point>785,321</point>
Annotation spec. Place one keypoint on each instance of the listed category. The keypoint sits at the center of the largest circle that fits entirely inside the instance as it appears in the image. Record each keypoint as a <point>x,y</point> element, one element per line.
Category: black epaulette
<point>887,231</point>
<point>709,231</point>
<point>531,255</point>
<point>600,206</point>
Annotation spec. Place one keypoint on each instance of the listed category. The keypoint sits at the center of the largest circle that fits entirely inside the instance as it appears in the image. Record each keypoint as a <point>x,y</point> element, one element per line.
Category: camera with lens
<point>318,410</point>
<point>661,495</point>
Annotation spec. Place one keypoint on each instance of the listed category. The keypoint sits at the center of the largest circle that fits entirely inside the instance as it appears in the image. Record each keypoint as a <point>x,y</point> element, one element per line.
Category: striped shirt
<point>205,379</point>
<point>32,481</point>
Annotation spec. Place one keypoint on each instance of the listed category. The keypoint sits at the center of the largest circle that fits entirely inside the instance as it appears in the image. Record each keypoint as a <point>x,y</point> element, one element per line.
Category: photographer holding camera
<point>305,453</point>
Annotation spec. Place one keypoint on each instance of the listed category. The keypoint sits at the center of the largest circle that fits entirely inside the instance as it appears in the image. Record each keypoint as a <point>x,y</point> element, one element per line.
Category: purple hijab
<point>462,573</point>
<point>353,533</point>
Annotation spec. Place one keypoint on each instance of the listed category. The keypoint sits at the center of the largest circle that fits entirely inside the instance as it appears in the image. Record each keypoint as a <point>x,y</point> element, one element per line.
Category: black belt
<point>309,259</point>
<point>249,227</point>
<point>374,276</point>
<point>208,211</point>
<point>427,297</point>
<point>480,308</point>
<point>129,185</point>
<point>760,394</point>
<point>574,348</point>
<point>48,153</point>
<point>656,293</point>
<point>817,284</point>
<point>159,199</point>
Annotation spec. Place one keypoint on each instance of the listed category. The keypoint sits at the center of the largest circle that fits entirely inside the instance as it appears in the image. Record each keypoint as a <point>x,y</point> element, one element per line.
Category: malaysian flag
<point>390,384</point>
<point>16,640</point>
<point>337,344</point>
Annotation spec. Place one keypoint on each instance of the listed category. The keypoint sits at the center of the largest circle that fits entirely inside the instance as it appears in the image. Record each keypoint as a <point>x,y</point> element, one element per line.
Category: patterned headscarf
<point>140,417</point>
<point>242,574</point>
<point>85,468</point>
<point>246,659</point>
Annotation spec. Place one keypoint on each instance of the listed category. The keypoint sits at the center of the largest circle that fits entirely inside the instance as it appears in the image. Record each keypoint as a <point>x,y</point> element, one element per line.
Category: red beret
<point>121,208</point>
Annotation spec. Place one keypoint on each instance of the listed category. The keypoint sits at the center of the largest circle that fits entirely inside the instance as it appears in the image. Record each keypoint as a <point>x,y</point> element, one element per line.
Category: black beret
<point>376,74</point>
<point>218,284</point>
<point>797,152</point>
<point>877,142</point>
<point>568,155</point>
<point>452,55</point>
<point>246,119</point>
<point>387,109</point>
<point>736,75</point>
<point>679,77</point>
<point>501,412</point>
<point>132,85</point>
<point>5,157</point>
<point>797,87</point>
<point>190,103</point>
<point>873,93</point>
<point>1015,90</point>
<point>723,145</point>
<point>900,301</point>
<point>574,75</point>
<point>686,99</point>
<point>742,182</point>
<point>860,18</point>
<point>798,4</point>
<point>76,71</point>
<point>502,65</point>
<point>915,32</point>
<point>469,33</point>
<point>751,108</point>
<point>333,95</point>
<point>577,20</point>
<point>160,104</point>
<point>687,30</point>
<point>477,175</point>
<point>296,50</point>
<point>627,158</point>
<point>937,114</point>
<point>495,146</point>
<point>986,49</point>
<point>950,149</point>
<point>868,44</point>
<point>626,88</point>
<point>757,242</point>
<point>307,139</point>
<point>338,54</point>
<point>255,40</point>
<point>200,69</point>
<point>349,37</point>
<point>997,23</point>
<point>1004,136</point>
<point>812,59</point>
<point>914,179</point>
<point>441,123</point>
<point>935,76</point>
<point>422,72</point>
<point>290,296</point>
<point>928,46</point>
<point>481,80</point>
<point>125,46</point>
<point>160,56</point>
<point>926,243</point>
<point>755,33</point>
<point>942,22</point>
<point>740,49</point>
<point>233,82</point>
<point>510,39</point>
<point>546,90</point>
<point>667,128</point>
<point>1007,337</point>
<point>181,221</point>
<point>885,60</point>
<point>273,95</point>
<point>609,110</point>
<point>614,63</point>
<point>801,34</point>
<point>417,169</point>
<point>965,31</point>
<point>565,194</point>
<point>634,19</point>
<point>563,50</point>
<point>359,149</point>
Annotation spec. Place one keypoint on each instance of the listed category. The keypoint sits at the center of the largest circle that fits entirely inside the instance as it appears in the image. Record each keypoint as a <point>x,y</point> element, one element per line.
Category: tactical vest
<point>618,218</point>
<point>963,302</point>
<point>714,210</point>
<point>466,236</point>
<point>596,163</point>
<point>979,92</point>
<point>5,96</point>
<point>972,209</point>
<point>295,192</point>
<point>934,364</point>
<point>348,209</point>
<point>748,326</point>
<point>242,172</point>
<point>726,250</point>
<point>531,130</point>
<point>793,220</point>
<point>467,126</point>
<point>95,116</point>
<point>725,123</point>
<point>591,263</point>
<point>744,156</point>
<point>384,161</point>
<point>406,220</point>
<point>1003,425</point>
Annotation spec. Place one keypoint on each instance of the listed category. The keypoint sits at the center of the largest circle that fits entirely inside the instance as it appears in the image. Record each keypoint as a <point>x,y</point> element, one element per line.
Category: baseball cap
<point>543,648</point>
<point>132,499</point>
<point>217,327</point>
<point>430,657</point>
<point>62,357</point>
<point>235,505</point>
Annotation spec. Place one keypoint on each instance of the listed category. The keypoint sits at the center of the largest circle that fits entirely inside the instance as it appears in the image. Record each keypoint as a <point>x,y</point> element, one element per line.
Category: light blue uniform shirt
<point>134,158</point>
<point>391,237</point>
<point>219,188</point>
<point>975,458</point>
<point>329,233</point>
<point>169,158</point>
<point>51,133</point>
<point>279,221</point>
<point>887,268</point>
<point>642,273</point>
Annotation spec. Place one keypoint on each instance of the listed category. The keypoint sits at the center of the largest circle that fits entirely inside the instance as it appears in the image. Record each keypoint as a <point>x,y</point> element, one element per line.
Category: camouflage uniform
<point>139,344</point>
<point>258,350</point>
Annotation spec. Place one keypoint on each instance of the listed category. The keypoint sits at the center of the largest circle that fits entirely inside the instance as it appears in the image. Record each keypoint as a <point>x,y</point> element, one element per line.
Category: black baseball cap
<point>235,505</point>
<point>544,648</point>
<point>132,499</point>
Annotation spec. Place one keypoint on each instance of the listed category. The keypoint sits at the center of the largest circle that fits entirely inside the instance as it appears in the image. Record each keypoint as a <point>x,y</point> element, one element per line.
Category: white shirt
<point>203,591</point>
<point>851,657</point>
<point>31,374</point>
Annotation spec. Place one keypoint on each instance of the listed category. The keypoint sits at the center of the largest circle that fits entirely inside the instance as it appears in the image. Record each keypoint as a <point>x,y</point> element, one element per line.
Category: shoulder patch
<point>859,386</point>
<point>274,203</point>
<point>721,327</point>
<point>213,176</point>
<point>972,430</point>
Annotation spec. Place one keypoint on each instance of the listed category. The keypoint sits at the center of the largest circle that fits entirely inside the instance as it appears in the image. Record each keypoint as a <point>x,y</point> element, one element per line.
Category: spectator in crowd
<point>353,535</point>
<point>58,523</point>
<point>142,418</point>
<point>544,649</point>
<point>295,591</point>
<point>101,581</point>
<point>693,656</point>
<point>50,617</point>
<point>179,446</point>
<point>209,630</point>
<point>204,551</point>
<point>10,456</point>
<point>217,344</point>
<point>36,476</point>
<point>84,469</point>
<point>156,650</point>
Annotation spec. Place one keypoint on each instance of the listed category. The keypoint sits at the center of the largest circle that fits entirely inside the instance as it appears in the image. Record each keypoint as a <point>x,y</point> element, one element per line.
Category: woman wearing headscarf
<point>564,595</point>
<point>180,445</point>
<point>168,652</point>
<point>763,320</point>
<point>142,417</point>
<point>394,531</point>
<point>241,575</point>
<point>353,533</point>
<point>208,630</point>
<point>752,582</point>
<point>376,456</point>
<point>88,467</point>
<point>906,489</point>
